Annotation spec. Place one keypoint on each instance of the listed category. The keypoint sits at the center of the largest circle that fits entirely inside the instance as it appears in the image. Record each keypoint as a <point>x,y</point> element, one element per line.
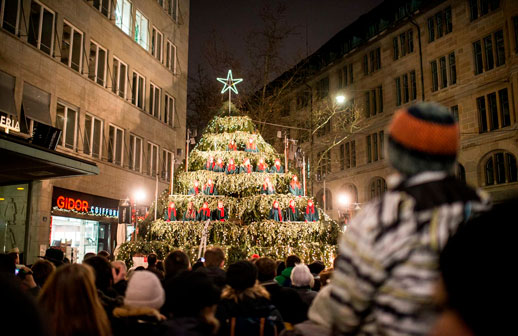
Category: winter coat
<point>277,170</point>
<point>170,214</point>
<point>245,169</point>
<point>187,326</point>
<point>261,168</point>
<point>130,320</point>
<point>216,214</point>
<point>232,170</point>
<point>194,191</point>
<point>210,190</point>
<point>203,214</point>
<point>267,191</point>
<point>284,279</point>
<point>219,169</point>
<point>287,301</point>
<point>306,294</point>
<point>216,275</point>
<point>292,215</point>
<point>276,214</point>
<point>296,189</point>
<point>311,214</point>
<point>189,215</point>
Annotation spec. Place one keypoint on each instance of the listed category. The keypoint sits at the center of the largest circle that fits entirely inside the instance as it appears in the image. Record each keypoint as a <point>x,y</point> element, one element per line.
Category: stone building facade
<point>462,54</point>
<point>112,75</point>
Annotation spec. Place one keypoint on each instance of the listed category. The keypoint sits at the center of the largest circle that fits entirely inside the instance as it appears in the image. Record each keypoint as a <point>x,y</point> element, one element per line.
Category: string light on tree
<point>229,85</point>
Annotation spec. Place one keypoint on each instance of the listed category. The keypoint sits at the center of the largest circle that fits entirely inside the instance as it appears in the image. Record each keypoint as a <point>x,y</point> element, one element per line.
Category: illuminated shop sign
<point>9,123</point>
<point>85,204</point>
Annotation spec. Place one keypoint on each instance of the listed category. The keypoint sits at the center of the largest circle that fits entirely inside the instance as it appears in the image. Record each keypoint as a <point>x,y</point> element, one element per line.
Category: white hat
<point>144,290</point>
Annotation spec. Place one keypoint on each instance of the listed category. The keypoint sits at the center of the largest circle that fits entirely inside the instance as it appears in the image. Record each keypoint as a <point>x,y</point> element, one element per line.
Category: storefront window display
<point>13,217</point>
<point>76,236</point>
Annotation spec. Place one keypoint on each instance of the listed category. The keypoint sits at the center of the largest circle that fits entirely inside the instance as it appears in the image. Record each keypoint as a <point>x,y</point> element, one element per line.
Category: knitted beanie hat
<point>144,290</point>
<point>241,275</point>
<point>424,137</point>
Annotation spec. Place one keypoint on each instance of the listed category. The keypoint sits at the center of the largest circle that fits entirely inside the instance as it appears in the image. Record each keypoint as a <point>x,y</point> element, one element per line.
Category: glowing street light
<point>340,99</point>
<point>344,200</point>
<point>139,195</point>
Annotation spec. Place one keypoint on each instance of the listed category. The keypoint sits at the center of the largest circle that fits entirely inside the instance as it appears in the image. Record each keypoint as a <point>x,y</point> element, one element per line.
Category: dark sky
<point>232,20</point>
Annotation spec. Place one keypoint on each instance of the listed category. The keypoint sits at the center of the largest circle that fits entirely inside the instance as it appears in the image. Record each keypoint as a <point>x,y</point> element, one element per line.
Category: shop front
<point>82,223</point>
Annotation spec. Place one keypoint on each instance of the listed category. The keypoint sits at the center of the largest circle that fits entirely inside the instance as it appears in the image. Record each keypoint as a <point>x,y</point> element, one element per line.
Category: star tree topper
<point>229,85</point>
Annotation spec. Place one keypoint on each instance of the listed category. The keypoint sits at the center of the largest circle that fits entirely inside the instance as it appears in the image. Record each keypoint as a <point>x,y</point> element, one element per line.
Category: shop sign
<point>81,203</point>
<point>9,123</point>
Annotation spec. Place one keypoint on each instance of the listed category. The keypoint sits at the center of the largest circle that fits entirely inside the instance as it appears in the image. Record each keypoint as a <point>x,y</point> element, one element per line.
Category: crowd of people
<point>429,257</point>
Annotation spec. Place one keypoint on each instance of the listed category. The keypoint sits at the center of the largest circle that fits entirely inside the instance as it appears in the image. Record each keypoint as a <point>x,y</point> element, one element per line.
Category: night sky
<point>232,20</point>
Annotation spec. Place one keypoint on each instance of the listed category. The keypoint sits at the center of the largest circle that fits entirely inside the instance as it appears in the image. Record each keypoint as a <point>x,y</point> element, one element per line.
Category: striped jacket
<point>387,267</point>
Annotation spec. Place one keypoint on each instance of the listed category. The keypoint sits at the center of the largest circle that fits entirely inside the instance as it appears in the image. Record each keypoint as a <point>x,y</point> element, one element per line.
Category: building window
<point>494,111</point>
<point>478,8</point>
<point>97,63</point>
<point>10,15</point>
<point>444,72</point>
<point>322,87</point>
<point>41,27</point>
<point>515,29</point>
<point>455,112</point>
<point>345,76</point>
<point>72,47</point>
<point>66,121</point>
<point>115,145</point>
<point>413,85</point>
<point>500,168</point>
<point>395,48</point>
<point>407,91</point>
<point>375,147</point>
<point>135,153</point>
<point>453,68</point>
<point>169,110</point>
<point>123,16</point>
<point>350,154</point>
<point>154,100</point>
<point>152,151</point>
<point>141,30</point>
<point>374,102</point>
<point>350,190</point>
<point>324,165</point>
<point>372,61</point>
<point>173,9</point>
<point>460,173</point>
<point>378,187</point>
<point>157,44</point>
<point>406,95</point>
<point>303,99</point>
<point>444,76</point>
<point>170,56</point>
<point>440,24</point>
<point>120,75</point>
<point>324,129</point>
<point>138,90</point>
<point>403,43</point>
<point>494,49</point>
<point>398,91</point>
<point>167,158</point>
<point>102,6</point>
<point>92,143</point>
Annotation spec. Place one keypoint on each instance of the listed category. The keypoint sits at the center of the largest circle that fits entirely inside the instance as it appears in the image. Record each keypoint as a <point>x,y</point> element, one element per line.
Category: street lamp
<point>340,99</point>
<point>138,196</point>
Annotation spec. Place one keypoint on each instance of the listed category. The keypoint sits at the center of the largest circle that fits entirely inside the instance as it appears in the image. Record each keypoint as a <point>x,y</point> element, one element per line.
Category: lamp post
<point>138,197</point>
<point>188,141</point>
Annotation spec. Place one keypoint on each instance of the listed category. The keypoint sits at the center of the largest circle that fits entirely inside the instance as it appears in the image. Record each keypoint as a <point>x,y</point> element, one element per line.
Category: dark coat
<point>215,274</point>
<point>203,214</point>
<point>137,321</point>
<point>287,301</point>
<point>306,294</point>
<point>187,326</point>
<point>311,215</point>
<point>279,170</point>
<point>291,216</point>
<point>276,214</point>
<point>188,217</point>
<point>216,214</point>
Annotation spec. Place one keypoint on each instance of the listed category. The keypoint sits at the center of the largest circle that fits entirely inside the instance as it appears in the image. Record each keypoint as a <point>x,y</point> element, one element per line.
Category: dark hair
<point>316,267</point>
<point>292,260</point>
<point>103,272</point>
<point>160,265</point>
<point>151,259</point>
<point>280,267</point>
<point>41,270</point>
<point>242,275</point>
<point>105,254</point>
<point>89,255</point>
<point>214,257</point>
<point>176,262</point>
<point>7,264</point>
<point>266,268</point>
<point>198,264</point>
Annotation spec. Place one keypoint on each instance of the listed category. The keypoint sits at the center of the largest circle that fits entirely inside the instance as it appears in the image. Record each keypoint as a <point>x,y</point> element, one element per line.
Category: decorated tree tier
<point>248,229</point>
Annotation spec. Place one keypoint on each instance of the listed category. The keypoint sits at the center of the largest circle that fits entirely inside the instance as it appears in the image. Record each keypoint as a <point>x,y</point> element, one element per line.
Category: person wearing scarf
<point>190,213</point>
<point>292,213</point>
<point>246,167</point>
<point>170,212</point>
<point>250,146</point>
<point>231,167</point>
<point>219,167</point>
<point>276,212</point>
<point>261,166</point>
<point>209,188</point>
<point>232,146</point>
<point>221,213</point>
<point>267,188</point>
<point>195,190</point>
<point>311,214</point>
<point>204,212</point>
<point>277,168</point>
<point>210,164</point>
<point>294,187</point>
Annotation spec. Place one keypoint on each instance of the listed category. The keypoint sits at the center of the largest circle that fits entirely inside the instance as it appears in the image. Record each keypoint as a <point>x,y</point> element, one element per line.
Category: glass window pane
<point>490,180</point>
<point>10,15</point>
<point>138,154</point>
<point>60,120</point>
<point>488,52</point>
<point>91,61</point>
<point>132,151</point>
<point>493,110</point>
<point>101,65</point>
<point>481,106</point>
<point>111,144</point>
<point>118,148</point>
<point>444,78</point>
<point>115,75</point>
<point>88,132</point>
<point>71,119</point>
<point>122,80</point>
<point>500,168</point>
<point>504,107</point>
<point>511,168</point>
<point>97,140</point>
<point>77,49</point>
<point>477,54</point>
<point>34,24</point>
<point>66,41</point>
<point>500,48</point>
<point>47,29</point>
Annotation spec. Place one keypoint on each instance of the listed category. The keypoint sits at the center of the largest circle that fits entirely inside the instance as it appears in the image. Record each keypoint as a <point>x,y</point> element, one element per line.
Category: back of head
<point>266,268</point>
<point>292,260</point>
<point>41,270</point>
<point>151,259</point>
<point>103,272</point>
<point>176,262</point>
<point>301,276</point>
<point>144,290</point>
<point>316,267</point>
<point>424,137</point>
<point>70,302</point>
<point>104,254</point>
<point>88,255</point>
<point>241,275</point>
<point>214,257</point>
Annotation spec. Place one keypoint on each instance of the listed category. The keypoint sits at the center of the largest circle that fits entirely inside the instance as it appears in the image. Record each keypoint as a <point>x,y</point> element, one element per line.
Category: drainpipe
<point>420,56</point>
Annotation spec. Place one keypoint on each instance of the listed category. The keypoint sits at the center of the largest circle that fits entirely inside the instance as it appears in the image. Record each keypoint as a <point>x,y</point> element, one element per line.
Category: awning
<point>23,162</point>
<point>36,104</point>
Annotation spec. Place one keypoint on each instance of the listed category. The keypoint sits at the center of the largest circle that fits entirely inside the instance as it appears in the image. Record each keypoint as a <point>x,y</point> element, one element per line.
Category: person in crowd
<point>277,168</point>
<point>214,262</point>
<point>286,299</point>
<point>204,213</point>
<point>267,187</point>
<point>276,212</point>
<point>175,263</point>
<point>197,265</point>
<point>55,256</point>
<point>209,165</point>
<point>104,254</point>
<point>231,167</point>
<point>292,213</point>
<point>311,214</point>
<point>140,314</point>
<point>41,270</point>
<point>232,146</point>
<point>21,275</point>
<point>219,167</point>
<point>381,283</point>
<point>160,266</point>
<point>251,146</point>
<point>245,308</point>
<point>194,300</point>
<point>220,213</point>
<point>325,277</point>
<point>195,189</point>
<point>477,276</point>
<point>209,188</point>
<point>121,271</point>
<point>303,281</point>
<point>66,261</point>
<point>246,167</point>
<point>254,258</point>
<point>294,187</point>
<point>315,268</point>
<point>261,167</point>
<point>89,255</point>
<point>284,278</point>
<point>190,213</point>
<point>151,266</point>
<point>170,212</point>
<point>14,253</point>
<point>70,304</point>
